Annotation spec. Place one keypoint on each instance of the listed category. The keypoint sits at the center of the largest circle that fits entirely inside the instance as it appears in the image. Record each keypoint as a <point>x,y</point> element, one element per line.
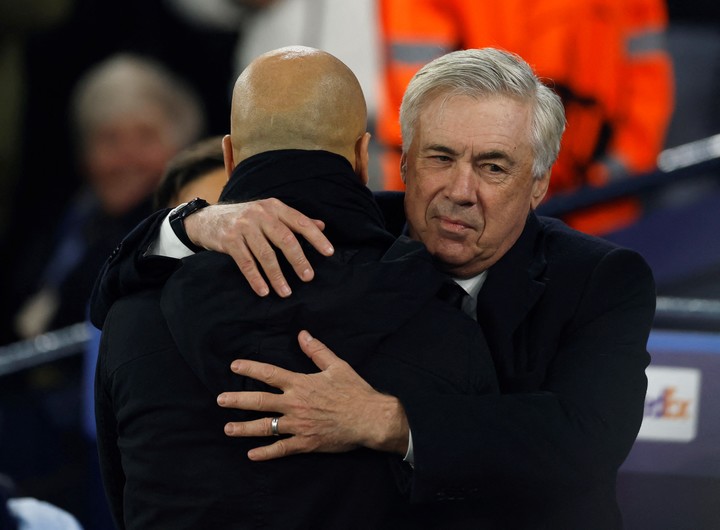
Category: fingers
<point>281,448</point>
<point>252,230</point>
<point>251,429</point>
<point>261,255</point>
<point>267,373</point>
<point>245,261</point>
<point>262,428</point>
<point>257,401</point>
<point>282,235</point>
<point>249,232</point>
<point>320,354</point>
<point>310,229</point>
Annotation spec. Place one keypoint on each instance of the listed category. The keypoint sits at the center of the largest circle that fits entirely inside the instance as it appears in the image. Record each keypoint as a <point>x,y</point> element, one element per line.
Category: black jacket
<point>567,318</point>
<point>165,356</point>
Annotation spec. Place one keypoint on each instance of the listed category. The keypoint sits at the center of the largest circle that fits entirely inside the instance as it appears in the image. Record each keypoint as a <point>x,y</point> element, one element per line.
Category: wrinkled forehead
<point>459,113</point>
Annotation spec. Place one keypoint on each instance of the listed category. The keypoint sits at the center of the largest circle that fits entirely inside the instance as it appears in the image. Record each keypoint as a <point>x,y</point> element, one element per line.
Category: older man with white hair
<point>566,315</point>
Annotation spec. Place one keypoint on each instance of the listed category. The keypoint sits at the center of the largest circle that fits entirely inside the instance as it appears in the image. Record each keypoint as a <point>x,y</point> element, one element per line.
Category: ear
<point>403,166</point>
<point>228,158</point>
<point>539,189</point>
<point>362,157</point>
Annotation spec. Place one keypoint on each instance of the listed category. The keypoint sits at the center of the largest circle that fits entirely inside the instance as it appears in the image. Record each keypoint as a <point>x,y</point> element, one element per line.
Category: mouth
<point>455,226</point>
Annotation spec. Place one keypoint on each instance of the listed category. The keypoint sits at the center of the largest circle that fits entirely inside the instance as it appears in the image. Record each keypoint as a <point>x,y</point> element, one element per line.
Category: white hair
<point>127,83</point>
<point>487,72</point>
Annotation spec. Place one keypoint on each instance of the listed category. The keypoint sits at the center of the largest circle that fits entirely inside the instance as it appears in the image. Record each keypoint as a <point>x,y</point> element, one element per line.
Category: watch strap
<point>177,221</point>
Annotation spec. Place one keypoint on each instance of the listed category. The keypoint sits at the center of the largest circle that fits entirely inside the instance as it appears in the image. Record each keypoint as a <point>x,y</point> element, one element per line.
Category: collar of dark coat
<point>320,184</point>
<point>421,271</point>
<point>405,247</point>
<point>515,283</point>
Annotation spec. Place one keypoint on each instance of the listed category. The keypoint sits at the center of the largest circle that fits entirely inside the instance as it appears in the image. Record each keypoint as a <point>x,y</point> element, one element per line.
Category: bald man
<point>297,134</point>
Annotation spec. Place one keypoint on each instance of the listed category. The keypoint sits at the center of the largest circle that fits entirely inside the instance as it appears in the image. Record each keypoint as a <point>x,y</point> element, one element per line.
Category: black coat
<point>567,318</point>
<point>165,356</point>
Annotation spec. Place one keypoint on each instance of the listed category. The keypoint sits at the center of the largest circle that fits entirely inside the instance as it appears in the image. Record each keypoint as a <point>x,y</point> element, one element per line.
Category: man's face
<point>469,180</point>
<point>125,158</point>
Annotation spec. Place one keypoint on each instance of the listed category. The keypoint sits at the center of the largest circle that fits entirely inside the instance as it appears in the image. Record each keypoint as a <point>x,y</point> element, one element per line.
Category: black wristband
<point>177,218</point>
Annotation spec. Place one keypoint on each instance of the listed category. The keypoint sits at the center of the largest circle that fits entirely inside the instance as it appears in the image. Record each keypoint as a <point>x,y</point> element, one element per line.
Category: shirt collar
<point>472,285</point>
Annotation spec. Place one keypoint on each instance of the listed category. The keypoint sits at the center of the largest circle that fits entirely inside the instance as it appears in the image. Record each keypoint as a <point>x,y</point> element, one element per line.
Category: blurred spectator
<point>605,58</point>
<point>51,59</point>
<point>197,171</point>
<point>131,115</point>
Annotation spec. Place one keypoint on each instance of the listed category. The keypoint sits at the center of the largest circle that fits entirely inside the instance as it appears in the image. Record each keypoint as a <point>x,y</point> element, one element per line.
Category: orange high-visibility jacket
<point>605,58</point>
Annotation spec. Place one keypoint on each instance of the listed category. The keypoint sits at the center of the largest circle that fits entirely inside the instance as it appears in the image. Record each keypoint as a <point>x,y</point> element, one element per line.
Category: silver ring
<point>274,426</point>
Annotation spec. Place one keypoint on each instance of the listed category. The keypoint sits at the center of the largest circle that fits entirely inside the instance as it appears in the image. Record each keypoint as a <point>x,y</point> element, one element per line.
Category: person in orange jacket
<point>605,58</point>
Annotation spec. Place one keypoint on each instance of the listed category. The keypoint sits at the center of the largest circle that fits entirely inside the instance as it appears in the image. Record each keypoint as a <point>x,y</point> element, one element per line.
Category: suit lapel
<point>512,288</point>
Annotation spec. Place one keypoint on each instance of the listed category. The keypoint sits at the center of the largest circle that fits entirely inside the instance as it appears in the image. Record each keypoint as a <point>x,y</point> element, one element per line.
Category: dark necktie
<point>452,293</point>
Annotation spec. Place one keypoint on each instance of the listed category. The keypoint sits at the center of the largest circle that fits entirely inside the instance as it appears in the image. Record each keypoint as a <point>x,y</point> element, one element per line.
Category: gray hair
<point>126,83</point>
<point>489,72</point>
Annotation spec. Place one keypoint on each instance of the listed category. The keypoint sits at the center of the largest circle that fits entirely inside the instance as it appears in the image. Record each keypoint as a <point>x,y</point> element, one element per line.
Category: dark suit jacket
<point>567,318</point>
<point>165,356</point>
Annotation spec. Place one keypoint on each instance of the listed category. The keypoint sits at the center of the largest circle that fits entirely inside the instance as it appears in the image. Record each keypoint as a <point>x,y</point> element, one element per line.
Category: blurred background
<point>96,97</point>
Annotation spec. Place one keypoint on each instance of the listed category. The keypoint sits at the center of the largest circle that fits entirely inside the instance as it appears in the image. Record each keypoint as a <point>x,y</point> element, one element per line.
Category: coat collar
<point>514,284</point>
<point>321,185</point>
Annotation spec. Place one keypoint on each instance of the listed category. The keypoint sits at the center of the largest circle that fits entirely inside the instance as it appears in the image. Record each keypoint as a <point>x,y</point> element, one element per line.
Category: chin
<point>449,260</point>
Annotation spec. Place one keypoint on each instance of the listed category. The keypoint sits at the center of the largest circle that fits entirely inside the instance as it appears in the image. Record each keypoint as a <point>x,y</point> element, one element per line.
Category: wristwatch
<point>177,218</point>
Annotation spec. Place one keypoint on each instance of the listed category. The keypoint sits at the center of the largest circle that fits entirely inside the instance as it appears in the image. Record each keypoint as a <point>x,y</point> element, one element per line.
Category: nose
<point>461,188</point>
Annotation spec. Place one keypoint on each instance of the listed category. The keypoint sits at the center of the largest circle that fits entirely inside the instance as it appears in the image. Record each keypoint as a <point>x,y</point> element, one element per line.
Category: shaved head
<point>297,98</point>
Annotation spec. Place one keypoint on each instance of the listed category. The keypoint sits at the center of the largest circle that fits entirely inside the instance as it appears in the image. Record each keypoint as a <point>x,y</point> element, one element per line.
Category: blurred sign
<point>672,404</point>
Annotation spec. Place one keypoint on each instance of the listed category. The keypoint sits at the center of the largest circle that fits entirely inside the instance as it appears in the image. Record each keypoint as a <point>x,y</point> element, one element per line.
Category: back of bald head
<point>297,98</point>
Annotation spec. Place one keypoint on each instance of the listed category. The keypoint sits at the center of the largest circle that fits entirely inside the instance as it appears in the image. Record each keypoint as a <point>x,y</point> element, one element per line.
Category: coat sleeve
<point>127,270</point>
<point>571,433</point>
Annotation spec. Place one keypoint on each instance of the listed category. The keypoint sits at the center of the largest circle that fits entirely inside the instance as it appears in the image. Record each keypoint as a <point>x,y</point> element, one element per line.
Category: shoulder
<point>567,247</point>
<point>392,206</point>
<point>578,261</point>
<point>135,308</point>
<point>135,326</point>
<point>559,236</point>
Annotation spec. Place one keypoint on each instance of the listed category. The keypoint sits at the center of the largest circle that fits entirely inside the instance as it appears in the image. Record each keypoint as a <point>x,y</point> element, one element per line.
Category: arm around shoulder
<point>130,268</point>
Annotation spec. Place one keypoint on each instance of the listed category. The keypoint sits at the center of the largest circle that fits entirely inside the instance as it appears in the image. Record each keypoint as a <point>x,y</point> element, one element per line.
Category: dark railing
<point>45,348</point>
<point>677,164</point>
<point>690,314</point>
